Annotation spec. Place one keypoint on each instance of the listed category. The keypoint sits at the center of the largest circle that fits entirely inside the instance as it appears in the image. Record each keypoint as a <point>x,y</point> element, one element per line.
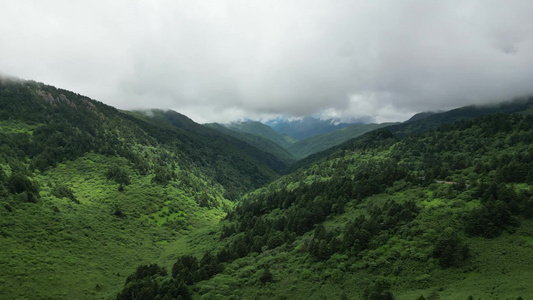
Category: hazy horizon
<point>232,60</point>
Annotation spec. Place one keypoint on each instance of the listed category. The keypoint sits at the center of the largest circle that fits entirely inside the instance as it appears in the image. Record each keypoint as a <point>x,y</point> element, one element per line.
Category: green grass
<point>58,249</point>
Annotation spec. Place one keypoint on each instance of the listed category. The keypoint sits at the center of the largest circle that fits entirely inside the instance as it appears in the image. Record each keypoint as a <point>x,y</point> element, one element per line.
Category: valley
<point>99,203</point>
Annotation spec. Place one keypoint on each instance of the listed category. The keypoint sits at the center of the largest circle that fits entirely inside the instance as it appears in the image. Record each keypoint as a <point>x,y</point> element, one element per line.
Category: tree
<point>118,174</point>
<point>266,276</point>
<point>450,249</point>
<point>18,183</point>
<point>62,191</point>
<point>378,290</point>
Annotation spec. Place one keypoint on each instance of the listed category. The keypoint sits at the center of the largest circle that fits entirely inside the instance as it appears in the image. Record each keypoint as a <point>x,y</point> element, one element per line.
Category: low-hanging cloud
<point>228,60</point>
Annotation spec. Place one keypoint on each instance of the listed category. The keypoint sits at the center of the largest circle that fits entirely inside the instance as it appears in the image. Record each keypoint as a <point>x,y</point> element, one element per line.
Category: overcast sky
<point>227,60</point>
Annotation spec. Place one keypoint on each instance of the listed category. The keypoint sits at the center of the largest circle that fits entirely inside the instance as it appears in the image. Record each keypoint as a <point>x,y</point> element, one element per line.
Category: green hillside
<point>262,130</point>
<point>87,192</point>
<point>429,121</point>
<point>441,214</point>
<point>98,203</point>
<point>318,143</point>
<point>426,121</point>
<point>259,142</point>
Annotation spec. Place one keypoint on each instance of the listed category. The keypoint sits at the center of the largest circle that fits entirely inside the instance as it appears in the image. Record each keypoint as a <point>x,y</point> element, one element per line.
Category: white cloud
<point>224,60</point>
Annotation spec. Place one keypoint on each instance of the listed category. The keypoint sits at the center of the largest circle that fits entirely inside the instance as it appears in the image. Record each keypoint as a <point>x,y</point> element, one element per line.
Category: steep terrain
<point>318,143</point>
<point>266,143</point>
<point>440,214</point>
<point>97,203</point>
<point>88,191</point>
<point>255,134</point>
<point>428,121</point>
<point>262,130</point>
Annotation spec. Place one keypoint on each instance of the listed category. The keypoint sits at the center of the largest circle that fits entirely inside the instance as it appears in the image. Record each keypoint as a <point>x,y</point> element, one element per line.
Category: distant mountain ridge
<point>259,142</point>
<point>428,121</point>
<point>260,129</point>
<point>321,142</point>
<point>306,127</point>
<point>287,148</point>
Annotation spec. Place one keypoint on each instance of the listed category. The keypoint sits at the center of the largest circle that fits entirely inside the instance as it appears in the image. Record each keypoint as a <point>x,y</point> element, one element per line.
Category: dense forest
<point>405,213</point>
<point>108,204</point>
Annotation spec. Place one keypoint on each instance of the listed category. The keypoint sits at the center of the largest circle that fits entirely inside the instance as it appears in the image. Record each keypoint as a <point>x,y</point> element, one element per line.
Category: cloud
<point>227,60</point>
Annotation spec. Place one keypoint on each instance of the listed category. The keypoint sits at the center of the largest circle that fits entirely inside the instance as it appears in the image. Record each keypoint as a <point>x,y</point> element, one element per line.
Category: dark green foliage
<point>495,214</point>
<point>3,183</point>
<point>186,269</point>
<point>145,283</point>
<point>266,276</point>
<point>490,219</point>
<point>209,266</point>
<point>22,186</point>
<point>152,280</point>
<point>161,175</point>
<point>62,191</point>
<point>147,271</point>
<point>450,249</point>
<point>118,174</point>
<point>378,290</point>
<point>119,213</point>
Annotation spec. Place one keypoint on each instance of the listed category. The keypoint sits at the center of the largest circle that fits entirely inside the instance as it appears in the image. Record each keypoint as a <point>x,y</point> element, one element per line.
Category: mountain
<point>258,134</point>
<point>439,214</point>
<point>101,203</point>
<point>262,130</point>
<point>259,142</point>
<point>224,143</point>
<point>87,191</point>
<point>430,121</point>
<point>306,127</point>
<point>420,116</point>
<point>318,143</point>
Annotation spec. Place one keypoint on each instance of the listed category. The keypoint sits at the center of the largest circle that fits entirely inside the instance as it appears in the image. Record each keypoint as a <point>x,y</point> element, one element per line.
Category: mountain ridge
<point>306,127</point>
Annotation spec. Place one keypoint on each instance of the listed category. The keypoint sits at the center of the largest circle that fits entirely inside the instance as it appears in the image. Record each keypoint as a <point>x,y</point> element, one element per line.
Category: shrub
<point>63,191</point>
<point>118,174</point>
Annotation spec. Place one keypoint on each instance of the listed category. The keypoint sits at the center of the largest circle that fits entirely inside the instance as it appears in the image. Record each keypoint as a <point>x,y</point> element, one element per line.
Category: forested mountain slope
<point>440,214</point>
<point>262,130</point>
<point>318,143</point>
<point>427,121</point>
<point>65,126</point>
<point>255,134</point>
<point>86,190</point>
<point>258,141</point>
<point>432,120</point>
